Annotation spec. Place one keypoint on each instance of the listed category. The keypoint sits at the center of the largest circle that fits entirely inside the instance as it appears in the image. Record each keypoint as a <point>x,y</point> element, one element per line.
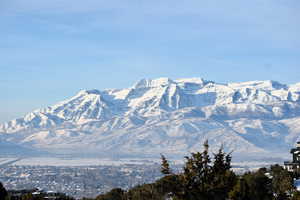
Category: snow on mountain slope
<point>164,115</point>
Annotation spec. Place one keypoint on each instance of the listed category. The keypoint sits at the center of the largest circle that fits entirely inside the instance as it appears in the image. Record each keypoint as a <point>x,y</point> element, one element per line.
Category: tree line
<point>206,178</point>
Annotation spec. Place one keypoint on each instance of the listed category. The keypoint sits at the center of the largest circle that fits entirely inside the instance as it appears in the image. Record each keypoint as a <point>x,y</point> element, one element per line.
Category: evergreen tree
<point>201,180</point>
<point>282,183</point>
<point>196,175</point>
<point>114,194</point>
<point>295,195</point>
<point>169,186</point>
<point>3,192</point>
<point>222,178</point>
<point>240,191</point>
<point>260,186</point>
<point>165,167</point>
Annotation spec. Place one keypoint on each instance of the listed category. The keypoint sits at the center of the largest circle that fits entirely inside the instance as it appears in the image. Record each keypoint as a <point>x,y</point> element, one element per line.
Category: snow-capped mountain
<point>252,119</point>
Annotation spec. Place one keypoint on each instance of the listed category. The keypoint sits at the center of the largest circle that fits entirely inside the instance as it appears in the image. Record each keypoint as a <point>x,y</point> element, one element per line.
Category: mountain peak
<point>198,81</point>
<point>160,82</point>
<point>87,92</point>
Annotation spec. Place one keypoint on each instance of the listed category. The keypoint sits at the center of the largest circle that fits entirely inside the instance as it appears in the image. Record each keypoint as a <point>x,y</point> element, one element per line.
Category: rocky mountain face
<point>257,119</point>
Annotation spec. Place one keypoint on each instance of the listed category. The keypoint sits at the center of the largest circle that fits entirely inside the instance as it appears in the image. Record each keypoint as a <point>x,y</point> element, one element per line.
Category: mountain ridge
<point>164,115</point>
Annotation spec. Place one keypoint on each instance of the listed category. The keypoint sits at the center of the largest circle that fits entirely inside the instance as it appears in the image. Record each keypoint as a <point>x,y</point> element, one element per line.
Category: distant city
<point>78,181</point>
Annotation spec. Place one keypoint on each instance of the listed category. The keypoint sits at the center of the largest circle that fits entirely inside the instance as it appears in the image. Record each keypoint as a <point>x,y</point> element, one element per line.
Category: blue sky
<point>51,49</point>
